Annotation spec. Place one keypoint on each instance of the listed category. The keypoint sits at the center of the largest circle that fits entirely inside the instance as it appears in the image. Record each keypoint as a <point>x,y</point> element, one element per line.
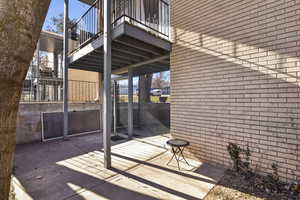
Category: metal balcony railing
<point>51,90</point>
<point>151,15</point>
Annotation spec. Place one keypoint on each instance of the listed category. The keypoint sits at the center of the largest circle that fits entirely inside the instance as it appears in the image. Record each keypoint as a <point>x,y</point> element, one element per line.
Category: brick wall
<point>235,77</point>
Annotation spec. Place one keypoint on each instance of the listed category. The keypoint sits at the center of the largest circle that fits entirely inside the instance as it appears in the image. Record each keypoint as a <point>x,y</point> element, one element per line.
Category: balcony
<point>140,33</point>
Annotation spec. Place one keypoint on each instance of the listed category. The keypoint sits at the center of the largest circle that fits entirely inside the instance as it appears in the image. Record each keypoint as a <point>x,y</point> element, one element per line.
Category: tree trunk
<point>20,26</point>
<point>145,82</point>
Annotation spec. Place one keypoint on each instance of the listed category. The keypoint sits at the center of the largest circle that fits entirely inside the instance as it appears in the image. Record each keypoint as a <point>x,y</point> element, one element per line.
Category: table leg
<point>177,152</point>
<point>181,152</point>
<point>172,156</point>
<point>177,156</point>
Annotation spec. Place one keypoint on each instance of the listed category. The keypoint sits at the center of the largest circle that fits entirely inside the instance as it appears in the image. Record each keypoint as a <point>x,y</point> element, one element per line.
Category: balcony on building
<point>140,37</point>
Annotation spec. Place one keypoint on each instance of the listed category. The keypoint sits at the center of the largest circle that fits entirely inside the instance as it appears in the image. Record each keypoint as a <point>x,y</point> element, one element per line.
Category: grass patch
<point>154,99</point>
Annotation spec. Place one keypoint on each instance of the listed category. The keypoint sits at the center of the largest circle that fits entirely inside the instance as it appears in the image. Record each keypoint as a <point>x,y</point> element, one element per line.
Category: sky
<point>76,10</point>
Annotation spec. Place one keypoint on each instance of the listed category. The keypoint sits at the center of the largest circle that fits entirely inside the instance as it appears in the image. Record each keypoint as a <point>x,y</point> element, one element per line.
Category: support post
<point>100,98</point>
<point>107,84</point>
<point>115,107</point>
<point>61,74</point>
<point>66,66</point>
<point>139,102</point>
<point>130,103</point>
<point>55,86</point>
<point>38,61</point>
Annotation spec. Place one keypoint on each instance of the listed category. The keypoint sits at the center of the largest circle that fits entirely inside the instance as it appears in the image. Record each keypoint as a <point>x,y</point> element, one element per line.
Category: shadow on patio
<point>74,170</point>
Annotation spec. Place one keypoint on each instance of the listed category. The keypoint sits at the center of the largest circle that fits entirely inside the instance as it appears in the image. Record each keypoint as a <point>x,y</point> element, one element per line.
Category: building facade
<point>235,68</point>
<point>44,80</point>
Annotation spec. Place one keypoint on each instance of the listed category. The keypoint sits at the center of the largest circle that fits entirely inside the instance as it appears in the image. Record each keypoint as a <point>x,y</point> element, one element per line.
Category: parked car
<point>156,92</point>
<point>166,91</point>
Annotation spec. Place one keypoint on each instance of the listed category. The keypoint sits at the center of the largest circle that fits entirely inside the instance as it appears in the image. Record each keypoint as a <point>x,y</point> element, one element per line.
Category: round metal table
<point>178,146</point>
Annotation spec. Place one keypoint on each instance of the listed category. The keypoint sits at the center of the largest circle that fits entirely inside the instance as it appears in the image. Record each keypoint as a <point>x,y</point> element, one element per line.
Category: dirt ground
<point>235,187</point>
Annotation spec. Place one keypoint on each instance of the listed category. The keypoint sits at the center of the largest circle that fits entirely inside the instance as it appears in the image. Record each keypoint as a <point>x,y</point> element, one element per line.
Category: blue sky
<point>76,9</point>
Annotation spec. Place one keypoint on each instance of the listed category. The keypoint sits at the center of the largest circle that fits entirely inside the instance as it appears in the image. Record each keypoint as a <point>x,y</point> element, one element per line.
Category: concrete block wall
<point>29,126</point>
<point>153,116</point>
<point>235,77</point>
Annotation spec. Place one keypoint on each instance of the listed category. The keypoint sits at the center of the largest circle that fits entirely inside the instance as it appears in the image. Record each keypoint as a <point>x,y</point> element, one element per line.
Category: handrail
<point>84,14</point>
<point>129,17</point>
<point>151,15</point>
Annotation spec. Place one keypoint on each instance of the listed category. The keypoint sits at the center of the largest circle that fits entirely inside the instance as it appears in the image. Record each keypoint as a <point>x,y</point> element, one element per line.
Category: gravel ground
<point>234,187</point>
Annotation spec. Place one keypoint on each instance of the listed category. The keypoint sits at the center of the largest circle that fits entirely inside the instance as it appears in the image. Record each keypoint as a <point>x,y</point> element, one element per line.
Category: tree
<point>145,82</point>
<point>57,24</point>
<point>20,26</point>
<point>160,81</point>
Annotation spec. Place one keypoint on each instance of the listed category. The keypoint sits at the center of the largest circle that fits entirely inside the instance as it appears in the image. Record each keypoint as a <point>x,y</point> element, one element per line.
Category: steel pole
<point>115,107</point>
<point>66,66</point>
<point>130,103</point>
<point>55,87</point>
<point>107,84</point>
<point>38,61</point>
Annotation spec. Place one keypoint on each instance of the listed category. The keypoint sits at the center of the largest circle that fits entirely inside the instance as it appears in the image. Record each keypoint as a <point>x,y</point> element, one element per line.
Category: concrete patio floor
<point>74,170</point>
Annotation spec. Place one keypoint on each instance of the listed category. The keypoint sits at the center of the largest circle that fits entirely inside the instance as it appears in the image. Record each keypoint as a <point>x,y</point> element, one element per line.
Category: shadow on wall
<point>240,84</point>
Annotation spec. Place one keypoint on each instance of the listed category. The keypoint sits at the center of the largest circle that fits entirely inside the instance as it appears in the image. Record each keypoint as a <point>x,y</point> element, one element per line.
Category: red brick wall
<point>235,77</point>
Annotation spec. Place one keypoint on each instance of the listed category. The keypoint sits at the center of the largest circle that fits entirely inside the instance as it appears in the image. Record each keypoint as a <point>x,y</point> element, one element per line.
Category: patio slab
<point>155,180</point>
<point>187,183</point>
<point>71,170</point>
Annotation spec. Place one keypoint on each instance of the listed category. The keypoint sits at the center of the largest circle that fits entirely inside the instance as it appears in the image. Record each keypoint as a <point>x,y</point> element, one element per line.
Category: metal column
<point>66,66</point>
<point>130,103</point>
<point>100,98</point>
<point>107,84</point>
<point>55,86</point>
<point>38,61</point>
<point>61,72</point>
<point>115,107</point>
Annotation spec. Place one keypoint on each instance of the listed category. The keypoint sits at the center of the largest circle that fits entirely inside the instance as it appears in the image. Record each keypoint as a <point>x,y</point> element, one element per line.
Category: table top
<point>178,142</point>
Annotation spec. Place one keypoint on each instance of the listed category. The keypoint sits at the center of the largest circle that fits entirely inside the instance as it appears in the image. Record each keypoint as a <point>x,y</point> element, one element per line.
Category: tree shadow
<point>237,89</point>
<point>38,161</point>
<point>199,170</point>
<point>77,179</point>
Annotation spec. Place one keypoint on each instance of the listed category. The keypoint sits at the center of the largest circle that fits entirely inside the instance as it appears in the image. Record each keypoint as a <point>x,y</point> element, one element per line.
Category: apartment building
<point>44,80</point>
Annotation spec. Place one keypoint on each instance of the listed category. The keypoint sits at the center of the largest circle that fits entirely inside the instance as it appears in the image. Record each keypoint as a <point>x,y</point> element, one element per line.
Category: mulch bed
<point>234,186</point>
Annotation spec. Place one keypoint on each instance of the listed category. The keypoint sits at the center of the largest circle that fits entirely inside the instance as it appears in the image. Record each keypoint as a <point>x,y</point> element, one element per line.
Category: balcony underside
<point>131,47</point>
